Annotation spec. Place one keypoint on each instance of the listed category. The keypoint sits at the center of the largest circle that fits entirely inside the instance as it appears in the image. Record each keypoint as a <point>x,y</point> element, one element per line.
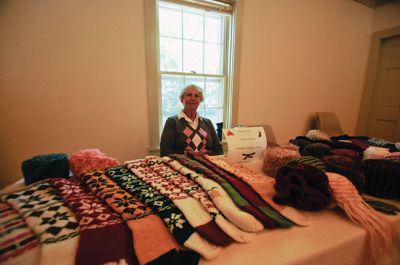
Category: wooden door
<point>384,113</point>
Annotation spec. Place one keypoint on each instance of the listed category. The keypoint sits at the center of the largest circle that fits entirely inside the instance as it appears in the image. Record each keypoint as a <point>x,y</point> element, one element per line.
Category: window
<point>192,51</point>
<point>189,42</point>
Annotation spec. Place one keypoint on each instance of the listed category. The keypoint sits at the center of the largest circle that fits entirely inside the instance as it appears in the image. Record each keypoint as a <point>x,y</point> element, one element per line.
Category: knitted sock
<point>194,212</point>
<point>165,208</point>
<point>236,196</point>
<point>197,192</point>
<point>151,240</point>
<point>263,185</point>
<point>220,197</point>
<point>52,222</point>
<point>248,193</point>
<point>98,224</point>
<point>381,233</point>
<point>18,244</point>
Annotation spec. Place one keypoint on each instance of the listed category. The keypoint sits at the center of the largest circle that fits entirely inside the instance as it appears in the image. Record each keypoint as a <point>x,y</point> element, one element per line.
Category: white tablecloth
<point>331,239</point>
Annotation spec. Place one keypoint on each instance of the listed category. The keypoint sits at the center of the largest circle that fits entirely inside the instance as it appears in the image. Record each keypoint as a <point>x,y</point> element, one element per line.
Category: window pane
<point>171,87</point>
<point>214,93</point>
<point>215,115</point>
<point>192,56</point>
<point>193,26</point>
<point>214,29</point>
<point>195,80</point>
<point>170,22</point>
<point>167,113</point>
<point>170,54</point>
<point>212,59</point>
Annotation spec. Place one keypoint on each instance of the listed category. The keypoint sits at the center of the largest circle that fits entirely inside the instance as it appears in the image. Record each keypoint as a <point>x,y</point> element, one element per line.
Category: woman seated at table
<point>188,131</point>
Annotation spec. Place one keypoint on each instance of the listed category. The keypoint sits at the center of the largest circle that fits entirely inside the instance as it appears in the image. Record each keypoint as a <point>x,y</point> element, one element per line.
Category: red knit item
<point>90,159</point>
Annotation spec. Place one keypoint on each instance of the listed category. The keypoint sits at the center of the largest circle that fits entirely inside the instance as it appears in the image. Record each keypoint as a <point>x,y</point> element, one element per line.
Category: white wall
<point>299,57</point>
<point>72,76</point>
<point>72,73</point>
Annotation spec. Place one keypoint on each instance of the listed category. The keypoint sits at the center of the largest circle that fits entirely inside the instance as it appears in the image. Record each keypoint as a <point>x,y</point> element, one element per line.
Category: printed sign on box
<point>245,144</point>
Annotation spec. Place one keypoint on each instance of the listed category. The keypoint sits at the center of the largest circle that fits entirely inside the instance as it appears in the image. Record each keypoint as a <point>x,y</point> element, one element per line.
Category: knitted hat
<point>276,157</point>
<point>301,141</point>
<point>347,152</point>
<point>45,166</point>
<point>90,159</point>
<point>346,145</point>
<point>302,186</point>
<point>382,178</point>
<point>316,149</point>
<point>317,135</point>
<point>347,167</point>
<point>311,161</point>
<point>393,156</point>
<point>374,152</point>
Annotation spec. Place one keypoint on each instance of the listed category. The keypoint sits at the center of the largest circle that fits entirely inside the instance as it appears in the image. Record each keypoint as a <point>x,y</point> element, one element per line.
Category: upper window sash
<point>220,6</point>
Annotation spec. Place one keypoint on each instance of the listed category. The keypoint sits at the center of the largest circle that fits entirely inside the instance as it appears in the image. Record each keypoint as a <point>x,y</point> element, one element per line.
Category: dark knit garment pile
<point>302,186</point>
<point>344,155</point>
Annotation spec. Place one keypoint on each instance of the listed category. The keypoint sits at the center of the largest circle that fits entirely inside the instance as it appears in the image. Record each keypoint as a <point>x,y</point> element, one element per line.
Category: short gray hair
<point>186,88</point>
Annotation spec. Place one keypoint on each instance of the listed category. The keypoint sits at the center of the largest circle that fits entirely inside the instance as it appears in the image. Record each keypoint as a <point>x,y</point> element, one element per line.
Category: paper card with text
<point>245,144</point>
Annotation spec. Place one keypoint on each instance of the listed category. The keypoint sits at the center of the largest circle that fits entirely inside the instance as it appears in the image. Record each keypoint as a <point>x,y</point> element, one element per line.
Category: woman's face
<point>191,100</point>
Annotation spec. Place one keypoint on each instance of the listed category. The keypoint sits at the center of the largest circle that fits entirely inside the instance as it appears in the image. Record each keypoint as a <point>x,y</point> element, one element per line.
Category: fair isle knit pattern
<point>174,219</point>
<point>197,192</point>
<point>152,241</point>
<point>220,197</point>
<point>235,194</point>
<point>194,212</point>
<point>98,223</point>
<point>263,185</point>
<point>195,139</point>
<point>53,223</point>
<point>18,244</point>
<point>248,193</point>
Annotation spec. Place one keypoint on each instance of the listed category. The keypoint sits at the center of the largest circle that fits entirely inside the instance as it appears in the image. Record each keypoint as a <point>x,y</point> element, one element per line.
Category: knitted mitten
<point>263,185</point>
<point>52,222</point>
<point>99,224</point>
<point>151,240</point>
<point>194,212</point>
<point>165,208</point>
<point>18,243</point>
<point>238,198</point>
<point>221,198</point>
<point>197,192</point>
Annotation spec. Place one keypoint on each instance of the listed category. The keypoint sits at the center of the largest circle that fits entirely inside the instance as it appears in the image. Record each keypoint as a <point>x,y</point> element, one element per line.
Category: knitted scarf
<point>224,202</point>
<point>173,218</point>
<point>197,192</point>
<point>263,185</point>
<point>381,234</point>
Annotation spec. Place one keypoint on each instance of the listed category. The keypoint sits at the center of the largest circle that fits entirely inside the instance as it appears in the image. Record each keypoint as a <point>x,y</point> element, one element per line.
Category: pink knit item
<point>277,156</point>
<point>90,159</point>
<point>393,156</point>
<point>381,234</point>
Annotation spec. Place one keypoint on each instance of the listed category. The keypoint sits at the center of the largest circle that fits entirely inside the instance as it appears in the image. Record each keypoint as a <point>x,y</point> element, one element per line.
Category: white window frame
<point>153,74</point>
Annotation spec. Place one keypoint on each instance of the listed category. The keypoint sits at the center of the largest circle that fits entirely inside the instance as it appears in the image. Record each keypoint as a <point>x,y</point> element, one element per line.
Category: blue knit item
<point>45,166</point>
